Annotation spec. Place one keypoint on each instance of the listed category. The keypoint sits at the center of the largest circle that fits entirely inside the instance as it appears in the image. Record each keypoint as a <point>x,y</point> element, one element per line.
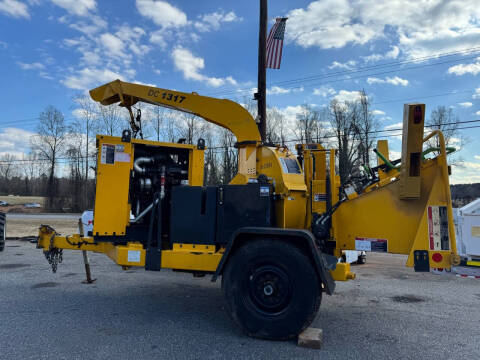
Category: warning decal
<point>108,154</point>
<point>319,197</point>
<point>438,228</point>
<point>122,157</point>
<point>371,244</point>
<point>133,256</point>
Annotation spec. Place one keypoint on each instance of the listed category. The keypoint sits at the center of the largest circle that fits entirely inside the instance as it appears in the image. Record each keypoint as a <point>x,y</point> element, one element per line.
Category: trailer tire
<point>3,230</point>
<point>271,289</point>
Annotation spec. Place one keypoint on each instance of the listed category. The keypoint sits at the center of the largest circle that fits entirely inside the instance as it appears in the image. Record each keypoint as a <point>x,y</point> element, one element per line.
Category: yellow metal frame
<point>380,213</point>
<point>189,257</point>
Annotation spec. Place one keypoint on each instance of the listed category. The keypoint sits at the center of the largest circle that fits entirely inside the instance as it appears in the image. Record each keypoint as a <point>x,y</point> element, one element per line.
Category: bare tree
<point>446,120</point>
<point>8,169</point>
<point>156,120</point>
<point>111,120</point>
<point>84,125</point>
<point>74,155</point>
<point>30,171</point>
<point>307,122</point>
<point>191,127</point>
<point>49,142</point>
<point>343,120</point>
<point>229,156</point>
<point>170,127</point>
<point>276,127</point>
<point>365,125</point>
<point>251,106</point>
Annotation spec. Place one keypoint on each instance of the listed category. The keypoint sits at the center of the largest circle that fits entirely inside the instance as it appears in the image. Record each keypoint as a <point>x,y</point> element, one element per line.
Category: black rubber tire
<point>3,230</point>
<point>280,267</point>
<point>362,259</point>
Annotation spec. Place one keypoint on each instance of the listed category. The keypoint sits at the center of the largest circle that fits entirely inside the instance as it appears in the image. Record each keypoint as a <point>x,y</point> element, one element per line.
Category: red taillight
<point>437,257</point>
<point>417,114</point>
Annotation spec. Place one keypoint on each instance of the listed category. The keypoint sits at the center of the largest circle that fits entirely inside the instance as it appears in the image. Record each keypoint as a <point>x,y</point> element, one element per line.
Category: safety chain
<point>53,255</point>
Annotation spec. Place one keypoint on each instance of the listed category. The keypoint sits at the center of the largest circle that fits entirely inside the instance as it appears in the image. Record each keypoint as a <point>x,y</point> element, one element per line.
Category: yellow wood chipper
<point>276,233</point>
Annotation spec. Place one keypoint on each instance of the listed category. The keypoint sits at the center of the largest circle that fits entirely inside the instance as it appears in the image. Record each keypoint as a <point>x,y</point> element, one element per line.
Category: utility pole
<point>260,96</point>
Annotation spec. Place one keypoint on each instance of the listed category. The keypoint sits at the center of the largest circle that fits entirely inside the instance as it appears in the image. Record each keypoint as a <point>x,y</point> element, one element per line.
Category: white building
<point>467,221</point>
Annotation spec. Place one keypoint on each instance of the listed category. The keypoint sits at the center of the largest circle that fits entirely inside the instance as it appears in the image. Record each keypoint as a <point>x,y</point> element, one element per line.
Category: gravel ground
<point>388,312</point>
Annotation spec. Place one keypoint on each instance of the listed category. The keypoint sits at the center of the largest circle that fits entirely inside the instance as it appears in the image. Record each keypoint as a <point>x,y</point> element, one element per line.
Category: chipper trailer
<point>275,235</point>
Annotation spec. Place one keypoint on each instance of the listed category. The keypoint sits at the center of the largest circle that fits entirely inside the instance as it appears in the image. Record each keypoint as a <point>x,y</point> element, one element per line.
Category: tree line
<point>61,162</point>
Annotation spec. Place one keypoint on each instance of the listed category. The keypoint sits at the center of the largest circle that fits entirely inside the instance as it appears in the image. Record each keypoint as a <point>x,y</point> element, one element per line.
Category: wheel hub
<point>270,289</point>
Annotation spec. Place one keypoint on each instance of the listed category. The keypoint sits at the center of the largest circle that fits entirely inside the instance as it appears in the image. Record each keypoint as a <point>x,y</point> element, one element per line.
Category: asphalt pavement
<point>388,312</point>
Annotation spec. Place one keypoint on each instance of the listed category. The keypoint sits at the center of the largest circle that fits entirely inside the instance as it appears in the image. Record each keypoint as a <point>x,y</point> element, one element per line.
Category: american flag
<point>275,44</point>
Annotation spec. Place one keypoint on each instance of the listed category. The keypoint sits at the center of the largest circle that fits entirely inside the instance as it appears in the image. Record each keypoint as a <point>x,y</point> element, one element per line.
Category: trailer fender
<point>304,239</point>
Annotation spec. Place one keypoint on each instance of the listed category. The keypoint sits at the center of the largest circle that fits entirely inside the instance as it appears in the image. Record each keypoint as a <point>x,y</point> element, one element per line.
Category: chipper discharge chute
<point>276,233</point>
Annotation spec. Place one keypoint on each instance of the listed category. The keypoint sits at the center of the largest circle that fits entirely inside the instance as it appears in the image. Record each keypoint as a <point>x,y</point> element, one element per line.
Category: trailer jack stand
<point>89,279</point>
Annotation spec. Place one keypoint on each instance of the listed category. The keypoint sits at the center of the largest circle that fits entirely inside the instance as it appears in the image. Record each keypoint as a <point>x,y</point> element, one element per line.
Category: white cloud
<point>394,133</point>
<point>462,69</point>
<point>393,155</point>
<point>113,44</point>
<point>392,54</point>
<point>476,95</point>
<point>466,104</point>
<point>378,112</point>
<point>88,78</point>
<point>324,91</point>
<point>212,21</point>
<point>290,113</point>
<point>45,75</point>
<point>276,90</point>
<point>14,141</point>
<point>14,8</point>
<point>347,96</point>
<point>162,13</point>
<point>30,66</point>
<point>420,27</point>
<point>477,157</point>
<point>397,125</point>
<point>158,38</point>
<point>477,113</point>
<point>191,67</point>
<point>327,24</point>
<point>89,25</point>
<point>388,80</point>
<point>146,84</point>
<point>77,7</point>
<point>465,172</point>
<point>349,65</point>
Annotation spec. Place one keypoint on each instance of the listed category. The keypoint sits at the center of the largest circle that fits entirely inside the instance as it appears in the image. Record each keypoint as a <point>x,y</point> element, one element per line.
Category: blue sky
<point>52,50</point>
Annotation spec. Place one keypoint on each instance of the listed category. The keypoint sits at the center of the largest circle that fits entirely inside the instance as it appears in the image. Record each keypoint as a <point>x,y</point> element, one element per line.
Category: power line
<point>366,75</point>
<point>386,130</point>
<point>57,160</point>
<point>219,149</point>
<point>366,68</point>
<point>69,159</point>
<point>373,103</point>
<point>423,97</point>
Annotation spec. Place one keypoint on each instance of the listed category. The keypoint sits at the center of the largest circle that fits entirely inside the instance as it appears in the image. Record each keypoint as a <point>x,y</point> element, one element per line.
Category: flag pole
<point>261,95</point>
